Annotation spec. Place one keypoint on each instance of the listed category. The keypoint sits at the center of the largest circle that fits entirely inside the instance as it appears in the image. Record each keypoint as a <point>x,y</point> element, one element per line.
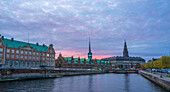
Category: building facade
<point>82,63</point>
<point>17,54</point>
<point>125,61</point>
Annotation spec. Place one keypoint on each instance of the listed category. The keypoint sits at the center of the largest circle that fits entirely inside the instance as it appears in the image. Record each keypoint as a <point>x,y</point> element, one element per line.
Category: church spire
<point>125,52</point>
<point>89,46</point>
<point>90,53</point>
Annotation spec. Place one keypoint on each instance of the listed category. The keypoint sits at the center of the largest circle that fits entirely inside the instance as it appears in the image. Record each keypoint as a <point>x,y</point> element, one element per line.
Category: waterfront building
<point>18,54</point>
<point>82,63</point>
<point>125,61</point>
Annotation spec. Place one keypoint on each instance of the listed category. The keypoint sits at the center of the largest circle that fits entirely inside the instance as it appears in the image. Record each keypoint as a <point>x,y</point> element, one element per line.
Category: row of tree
<point>162,63</point>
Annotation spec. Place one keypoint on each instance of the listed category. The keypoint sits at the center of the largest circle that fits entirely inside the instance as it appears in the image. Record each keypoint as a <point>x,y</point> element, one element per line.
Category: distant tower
<point>125,52</point>
<point>90,53</point>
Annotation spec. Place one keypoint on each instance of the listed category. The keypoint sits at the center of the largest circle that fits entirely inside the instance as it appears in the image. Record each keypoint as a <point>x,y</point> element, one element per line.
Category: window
<point>25,57</point>
<point>8,50</point>
<point>37,54</point>
<point>12,56</point>
<point>47,58</point>
<point>1,55</point>
<point>17,51</point>
<point>33,63</point>
<point>29,57</point>
<point>0,43</point>
<point>33,57</point>
<point>43,54</point>
<point>43,58</point>
<point>7,55</point>
<point>1,49</point>
<point>47,55</point>
<point>37,58</point>
<point>17,56</point>
<point>30,53</point>
<point>47,63</point>
<point>26,52</point>
<point>13,51</point>
<point>21,63</point>
<point>51,51</point>
<point>33,53</point>
<point>22,52</point>
<point>21,56</point>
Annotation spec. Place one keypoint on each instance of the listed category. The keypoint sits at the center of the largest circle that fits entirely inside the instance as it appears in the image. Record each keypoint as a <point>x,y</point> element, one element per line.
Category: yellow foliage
<point>162,63</point>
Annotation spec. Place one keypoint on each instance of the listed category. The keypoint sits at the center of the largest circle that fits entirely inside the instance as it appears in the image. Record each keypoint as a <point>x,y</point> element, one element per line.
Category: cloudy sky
<point>145,24</point>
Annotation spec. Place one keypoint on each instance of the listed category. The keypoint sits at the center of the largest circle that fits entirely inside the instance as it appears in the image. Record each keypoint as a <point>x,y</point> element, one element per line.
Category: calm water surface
<point>85,83</point>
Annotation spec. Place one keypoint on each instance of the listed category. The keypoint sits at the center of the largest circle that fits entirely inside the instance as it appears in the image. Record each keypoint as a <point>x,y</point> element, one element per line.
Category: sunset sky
<point>145,24</point>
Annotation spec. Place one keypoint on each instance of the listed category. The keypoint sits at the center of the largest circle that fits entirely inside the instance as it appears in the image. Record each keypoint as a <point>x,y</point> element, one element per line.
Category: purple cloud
<point>68,24</point>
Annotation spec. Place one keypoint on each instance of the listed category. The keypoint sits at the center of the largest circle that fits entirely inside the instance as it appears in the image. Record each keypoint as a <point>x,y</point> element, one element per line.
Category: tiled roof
<point>17,44</point>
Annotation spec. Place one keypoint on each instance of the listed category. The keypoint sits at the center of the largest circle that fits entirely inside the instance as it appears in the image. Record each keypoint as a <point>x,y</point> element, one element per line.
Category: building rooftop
<point>17,44</point>
<point>121,58</point>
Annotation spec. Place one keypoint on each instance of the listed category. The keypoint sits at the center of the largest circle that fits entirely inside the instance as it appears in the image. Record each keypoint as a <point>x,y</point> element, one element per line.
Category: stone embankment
<point>26,76</point>
<point>158,79</point>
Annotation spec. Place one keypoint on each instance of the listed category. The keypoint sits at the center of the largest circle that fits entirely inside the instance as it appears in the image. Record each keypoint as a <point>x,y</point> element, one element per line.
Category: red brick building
<point>70,62</point>
<point>77,63</point>
<point>17,54</point>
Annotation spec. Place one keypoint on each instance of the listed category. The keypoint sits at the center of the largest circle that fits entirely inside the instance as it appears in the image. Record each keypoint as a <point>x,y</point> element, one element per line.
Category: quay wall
<point>25,76</point>
<point>159,80</point>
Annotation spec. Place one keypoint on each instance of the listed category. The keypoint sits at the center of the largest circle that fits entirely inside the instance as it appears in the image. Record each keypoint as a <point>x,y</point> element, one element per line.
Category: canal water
<point>85,83</point>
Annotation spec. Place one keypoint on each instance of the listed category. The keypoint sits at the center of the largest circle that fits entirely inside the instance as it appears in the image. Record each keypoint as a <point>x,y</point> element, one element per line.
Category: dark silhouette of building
<point>90,53</point>
<point>125,51</point>
<point>125,61</point>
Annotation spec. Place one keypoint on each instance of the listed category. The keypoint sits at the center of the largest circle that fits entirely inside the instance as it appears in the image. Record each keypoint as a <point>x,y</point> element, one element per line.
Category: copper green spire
<point>90,53</point>
<point>89,46</point>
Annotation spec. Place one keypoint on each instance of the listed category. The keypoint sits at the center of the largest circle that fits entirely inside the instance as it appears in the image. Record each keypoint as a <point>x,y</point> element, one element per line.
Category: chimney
<point>44,45</point>
<point>2,37</point>
<point>12,39</point>
<point>37,44</point>
<point>51,45</point>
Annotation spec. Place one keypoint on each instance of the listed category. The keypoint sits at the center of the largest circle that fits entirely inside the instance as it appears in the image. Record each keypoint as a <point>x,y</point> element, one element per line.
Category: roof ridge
<point>17,44</point>
<point>24,42</point>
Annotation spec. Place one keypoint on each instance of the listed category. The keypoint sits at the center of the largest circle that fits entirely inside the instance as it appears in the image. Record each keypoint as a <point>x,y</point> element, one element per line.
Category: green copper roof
<point>87,59</point>
<point>75,59</point>
<point>67,58</point>
<point>102,60</point>
<point>17,44</point>
<point>82,59</point>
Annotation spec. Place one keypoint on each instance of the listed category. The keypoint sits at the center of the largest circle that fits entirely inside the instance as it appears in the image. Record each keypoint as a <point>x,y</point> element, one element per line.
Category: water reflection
<point>27,86</point>
<point>85,83</point>
<point>127,82</point>
<point>90,83</point>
